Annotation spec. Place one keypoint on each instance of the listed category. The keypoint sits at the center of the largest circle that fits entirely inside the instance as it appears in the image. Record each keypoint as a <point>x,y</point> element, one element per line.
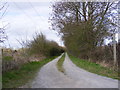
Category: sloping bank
<point>17,78</point>
<point>95,68</point>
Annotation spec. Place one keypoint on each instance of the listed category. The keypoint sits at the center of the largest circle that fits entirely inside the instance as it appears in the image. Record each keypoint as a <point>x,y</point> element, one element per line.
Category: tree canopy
<point>83,25</point>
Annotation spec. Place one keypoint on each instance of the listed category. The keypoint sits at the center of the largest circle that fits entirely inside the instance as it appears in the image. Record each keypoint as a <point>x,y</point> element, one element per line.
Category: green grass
<point>60,63</point>
<point>17,78</point>
<point>95,68</point>
<point>7,58</point>
<point>0,78</point>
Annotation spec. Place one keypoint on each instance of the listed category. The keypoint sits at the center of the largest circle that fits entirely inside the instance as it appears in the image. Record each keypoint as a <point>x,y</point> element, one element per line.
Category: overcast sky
<point>26,18</point>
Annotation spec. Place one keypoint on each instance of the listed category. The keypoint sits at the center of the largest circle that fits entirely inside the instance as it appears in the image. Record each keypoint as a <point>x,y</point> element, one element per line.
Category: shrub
<point>40,45</point>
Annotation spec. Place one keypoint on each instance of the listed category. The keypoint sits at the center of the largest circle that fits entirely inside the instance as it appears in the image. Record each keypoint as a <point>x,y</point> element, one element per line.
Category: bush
<point>40,45</point>
<point>102,55</point>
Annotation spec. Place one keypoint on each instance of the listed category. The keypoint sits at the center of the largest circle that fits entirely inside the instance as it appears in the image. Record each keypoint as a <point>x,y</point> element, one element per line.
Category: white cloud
<point>25,21</point>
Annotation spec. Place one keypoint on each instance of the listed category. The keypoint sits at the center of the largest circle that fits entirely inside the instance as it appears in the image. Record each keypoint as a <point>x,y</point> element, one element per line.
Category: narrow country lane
<point>50,77</point>
<point>74,77</point>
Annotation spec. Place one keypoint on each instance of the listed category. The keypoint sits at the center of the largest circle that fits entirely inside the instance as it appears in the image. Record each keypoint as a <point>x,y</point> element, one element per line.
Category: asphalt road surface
<point>74,77</point>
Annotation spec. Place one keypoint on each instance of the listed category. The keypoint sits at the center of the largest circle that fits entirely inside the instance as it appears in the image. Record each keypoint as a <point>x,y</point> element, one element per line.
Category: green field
<point>95,68</point>
<point>17,78</point>
<point>60,64</point>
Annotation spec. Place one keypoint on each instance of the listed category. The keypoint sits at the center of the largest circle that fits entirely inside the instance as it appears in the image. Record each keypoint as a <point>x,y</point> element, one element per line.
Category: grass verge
<point>95,68</point>
<point>60,64</point>
<point>17,78</point>
<point>8,58</point>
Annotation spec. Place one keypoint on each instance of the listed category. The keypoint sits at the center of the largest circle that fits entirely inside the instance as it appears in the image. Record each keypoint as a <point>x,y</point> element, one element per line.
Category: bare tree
<point>3,9</point>
<point>2,35</point>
